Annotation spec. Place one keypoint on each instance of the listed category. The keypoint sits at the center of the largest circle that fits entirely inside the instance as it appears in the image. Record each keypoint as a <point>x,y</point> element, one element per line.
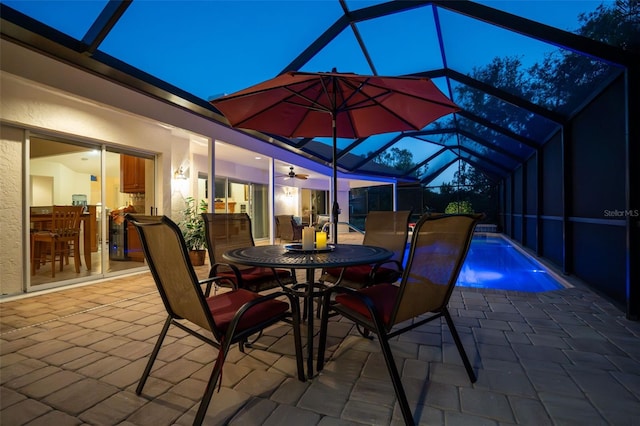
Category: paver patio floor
<point>74,356</point>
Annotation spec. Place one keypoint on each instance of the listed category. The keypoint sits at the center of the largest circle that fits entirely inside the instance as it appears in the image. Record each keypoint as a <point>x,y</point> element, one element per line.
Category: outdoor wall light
<point>179,174</point>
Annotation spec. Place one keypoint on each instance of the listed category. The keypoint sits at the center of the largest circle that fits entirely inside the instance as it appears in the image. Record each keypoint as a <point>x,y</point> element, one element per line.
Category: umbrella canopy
<point>345,105</point>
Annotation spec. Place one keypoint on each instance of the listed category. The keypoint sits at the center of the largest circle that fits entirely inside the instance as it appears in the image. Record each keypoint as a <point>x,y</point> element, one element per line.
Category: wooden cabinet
<point>134,246</point>
<point>131,174</point>
<point>220,206</point>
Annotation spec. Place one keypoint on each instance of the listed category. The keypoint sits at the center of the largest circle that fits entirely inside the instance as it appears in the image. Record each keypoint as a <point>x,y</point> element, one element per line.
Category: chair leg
<point>304,311</point>
<point>65,249</point>
<point>364,332</point>
<point>324,324</point>
<point>76,255</point>
<point>395,378</point>
<point>152,357</point>
<point>53,259</point>
<point>64,257</point>
<point>211,385</point>
<point>388,358</point>
<point>297,336</point>
<point>461,351</point>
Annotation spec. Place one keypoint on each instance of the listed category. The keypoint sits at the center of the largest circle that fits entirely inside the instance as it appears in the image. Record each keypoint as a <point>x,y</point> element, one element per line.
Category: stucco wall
<point>27,105</point>
<point>11,210</point>
<point>42,95</point>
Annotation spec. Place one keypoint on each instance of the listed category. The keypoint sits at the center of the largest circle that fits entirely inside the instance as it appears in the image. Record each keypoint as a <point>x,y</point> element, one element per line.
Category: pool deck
<point>74,356</point>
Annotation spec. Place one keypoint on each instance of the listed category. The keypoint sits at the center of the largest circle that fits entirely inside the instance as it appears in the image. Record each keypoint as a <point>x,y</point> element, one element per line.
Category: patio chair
<point>439,246</point>
<point>287,229</point>
<point>230,317</point>
<point>226,231</point>
<point>386,229</point>
<point>323,223</point>
<point>62,238</point>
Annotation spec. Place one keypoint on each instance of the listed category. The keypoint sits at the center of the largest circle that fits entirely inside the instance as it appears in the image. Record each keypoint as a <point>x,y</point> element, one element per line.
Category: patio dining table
<point>285,256</point>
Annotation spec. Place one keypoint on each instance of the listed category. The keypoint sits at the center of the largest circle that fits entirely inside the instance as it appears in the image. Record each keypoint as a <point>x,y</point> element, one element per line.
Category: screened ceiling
<point>519,70</point>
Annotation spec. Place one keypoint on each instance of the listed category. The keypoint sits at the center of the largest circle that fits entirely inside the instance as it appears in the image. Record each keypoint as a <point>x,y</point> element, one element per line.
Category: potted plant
<point>192,227</point>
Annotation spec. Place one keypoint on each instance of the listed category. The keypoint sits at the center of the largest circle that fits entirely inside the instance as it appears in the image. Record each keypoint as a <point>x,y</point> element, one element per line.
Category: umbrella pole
<point>335,209</point>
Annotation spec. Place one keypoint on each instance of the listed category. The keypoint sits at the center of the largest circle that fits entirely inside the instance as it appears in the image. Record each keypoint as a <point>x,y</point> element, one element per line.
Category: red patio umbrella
<point>345,105</point>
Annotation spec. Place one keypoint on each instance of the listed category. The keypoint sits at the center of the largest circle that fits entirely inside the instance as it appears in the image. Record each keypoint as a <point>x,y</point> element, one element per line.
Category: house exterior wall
<point>45,96</point>
<point>11,229</point>
<point>34,100</point>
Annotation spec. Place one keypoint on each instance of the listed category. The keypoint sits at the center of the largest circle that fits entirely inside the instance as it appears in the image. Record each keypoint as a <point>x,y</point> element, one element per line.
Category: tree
<point>458,207</point>
<point>564,75</point>
<point>507,74</point>
<point>397,158</point>
<point>471,179</point>
<point>617,25</point>
<point>559,78</point>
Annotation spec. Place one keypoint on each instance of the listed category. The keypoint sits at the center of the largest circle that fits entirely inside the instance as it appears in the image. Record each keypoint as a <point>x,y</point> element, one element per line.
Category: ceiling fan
<point>295,175</point>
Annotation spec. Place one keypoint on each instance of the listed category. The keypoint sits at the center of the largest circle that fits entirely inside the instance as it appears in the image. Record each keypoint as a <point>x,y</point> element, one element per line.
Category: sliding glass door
<point>129,188</point>
<point>62,173</point>
<point>106,183</point>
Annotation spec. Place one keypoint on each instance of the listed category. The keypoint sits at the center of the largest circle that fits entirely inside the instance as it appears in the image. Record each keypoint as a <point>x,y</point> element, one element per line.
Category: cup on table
<point>321,240</point>
<point>307,238</point>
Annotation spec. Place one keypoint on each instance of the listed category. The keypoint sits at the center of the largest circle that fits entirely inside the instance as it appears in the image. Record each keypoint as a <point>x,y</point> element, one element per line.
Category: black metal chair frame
<point>384,331</point>
<point>217,267</point>
<point>223,341</point>
<point>395,263</point>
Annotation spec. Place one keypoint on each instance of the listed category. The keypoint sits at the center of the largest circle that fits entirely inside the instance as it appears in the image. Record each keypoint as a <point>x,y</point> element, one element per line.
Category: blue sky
<point>215,47</point>
<point>221,46</point>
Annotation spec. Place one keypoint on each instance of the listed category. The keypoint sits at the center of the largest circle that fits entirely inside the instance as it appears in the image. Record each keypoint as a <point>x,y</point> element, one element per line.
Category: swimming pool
<point>493,262</point>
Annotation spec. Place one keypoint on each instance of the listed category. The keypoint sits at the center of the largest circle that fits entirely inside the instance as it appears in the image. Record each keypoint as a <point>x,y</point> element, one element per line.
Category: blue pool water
<point>493,262</point>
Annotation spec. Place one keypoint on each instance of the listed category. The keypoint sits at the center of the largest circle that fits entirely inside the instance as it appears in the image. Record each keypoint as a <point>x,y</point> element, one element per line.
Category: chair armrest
<point>209,282</point>
<point>213,272</point>
<point>366,300</point>
<point>377,266</point>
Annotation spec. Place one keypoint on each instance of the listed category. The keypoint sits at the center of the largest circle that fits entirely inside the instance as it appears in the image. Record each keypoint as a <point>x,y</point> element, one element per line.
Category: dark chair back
<point>168,259</point>
<point>227,231</point>
<point>287,228</point>
<point>60,234</point>
<point>231,317</point>
<point>438,248</point>
<point>66,221</point>
<point>388,229</point>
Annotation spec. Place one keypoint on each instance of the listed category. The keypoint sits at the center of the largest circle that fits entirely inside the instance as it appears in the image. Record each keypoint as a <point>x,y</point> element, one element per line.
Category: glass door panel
<point>107,184</point>
<point>129,188</point>
<point>319,202</point>
<point>63,173</point>
<point>232,196</point>
<point>259,209</point>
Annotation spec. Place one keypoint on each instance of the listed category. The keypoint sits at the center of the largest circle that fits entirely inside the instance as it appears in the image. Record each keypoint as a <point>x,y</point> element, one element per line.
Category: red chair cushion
<point>360,274</point>
<point>224,306</point>
<point>256,274</point>
<point>383,297</point>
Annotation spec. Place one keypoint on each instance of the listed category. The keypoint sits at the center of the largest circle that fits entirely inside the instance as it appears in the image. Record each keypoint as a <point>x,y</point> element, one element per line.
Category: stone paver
<point>75,356</point>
